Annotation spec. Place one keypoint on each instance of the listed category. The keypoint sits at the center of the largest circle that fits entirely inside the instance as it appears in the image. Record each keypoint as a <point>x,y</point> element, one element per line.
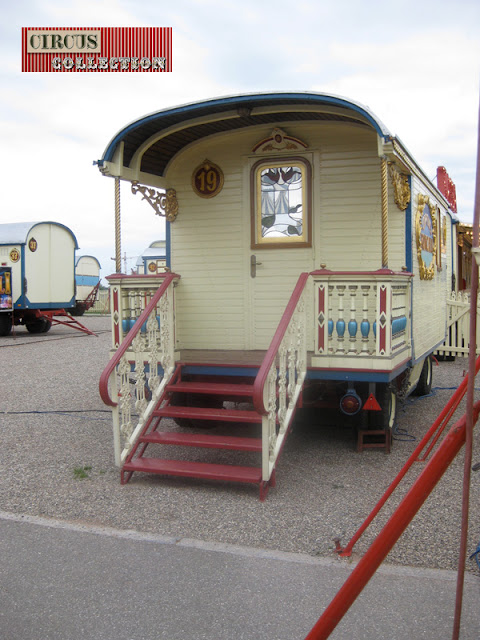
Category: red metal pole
<point>470,393</point>
<point>391,532</point>
<point>442,419</point>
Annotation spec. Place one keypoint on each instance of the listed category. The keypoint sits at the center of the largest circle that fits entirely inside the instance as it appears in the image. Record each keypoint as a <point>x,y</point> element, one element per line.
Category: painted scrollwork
<point>401,188</point>
<point>125,396</point>
<point>164,204</point>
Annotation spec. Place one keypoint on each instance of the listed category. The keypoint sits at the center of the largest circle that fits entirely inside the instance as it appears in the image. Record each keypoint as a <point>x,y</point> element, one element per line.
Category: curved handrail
<point>269,358</point>
<point>113,363</point>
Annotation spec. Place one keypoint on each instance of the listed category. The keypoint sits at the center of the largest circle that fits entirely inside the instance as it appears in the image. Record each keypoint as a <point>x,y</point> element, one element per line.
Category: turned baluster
<point>330,319</point>
<point>353,324</point>
<point>365,324</point>
<point>340,324</point>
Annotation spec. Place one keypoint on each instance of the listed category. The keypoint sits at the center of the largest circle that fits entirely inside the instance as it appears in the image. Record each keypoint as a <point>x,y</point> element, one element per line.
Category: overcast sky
<point>415,64</point>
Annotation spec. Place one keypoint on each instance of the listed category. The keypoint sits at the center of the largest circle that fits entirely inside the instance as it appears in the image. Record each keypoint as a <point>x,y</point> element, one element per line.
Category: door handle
<point>253,265</point>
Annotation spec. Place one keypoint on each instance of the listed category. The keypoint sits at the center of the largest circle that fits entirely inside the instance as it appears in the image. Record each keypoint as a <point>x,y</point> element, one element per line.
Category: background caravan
<point>37,271</point>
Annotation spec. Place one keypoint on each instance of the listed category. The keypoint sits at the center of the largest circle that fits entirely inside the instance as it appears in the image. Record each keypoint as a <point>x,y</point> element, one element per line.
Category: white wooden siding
<point>219,304</point>
<point>207,251</point>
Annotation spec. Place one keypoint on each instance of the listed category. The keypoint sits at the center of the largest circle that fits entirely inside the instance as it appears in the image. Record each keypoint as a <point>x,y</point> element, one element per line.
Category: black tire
<point>47,326</point>
<point>39,325</point>
<point>77,310</point>
<point>384,419</point>
<point>5,324</point>
<point>424,386</point>
<point>196,400</point>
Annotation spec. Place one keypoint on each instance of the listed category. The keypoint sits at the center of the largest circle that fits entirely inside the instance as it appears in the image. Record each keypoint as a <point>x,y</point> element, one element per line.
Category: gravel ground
<point>52,422</point>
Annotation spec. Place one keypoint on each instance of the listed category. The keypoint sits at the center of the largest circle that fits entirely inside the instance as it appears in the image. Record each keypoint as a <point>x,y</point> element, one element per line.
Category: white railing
<point>139,370</point>
<point>458,325</point>
<point>279,382</point>
<point>361,317</point>
<point>129,296</point>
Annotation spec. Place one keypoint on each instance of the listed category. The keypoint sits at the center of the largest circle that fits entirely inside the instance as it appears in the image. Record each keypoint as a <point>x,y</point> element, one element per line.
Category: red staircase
<point>196,403</point>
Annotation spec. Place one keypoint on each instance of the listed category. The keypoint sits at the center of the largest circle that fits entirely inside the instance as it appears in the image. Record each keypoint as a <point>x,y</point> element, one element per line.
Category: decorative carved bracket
<point>278,140</point>
<point>164,204</point>
<point>401,187</point>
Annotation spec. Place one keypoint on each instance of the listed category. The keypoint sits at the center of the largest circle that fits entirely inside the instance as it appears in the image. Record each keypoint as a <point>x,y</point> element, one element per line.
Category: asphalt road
<point>61,582</point>
<point>175,558</point>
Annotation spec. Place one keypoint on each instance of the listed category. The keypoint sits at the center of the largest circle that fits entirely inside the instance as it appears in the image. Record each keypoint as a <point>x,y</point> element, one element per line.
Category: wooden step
<point>194,470</point>
<point>212,388</point>
<point>203,440</point>
<point>204,413</point>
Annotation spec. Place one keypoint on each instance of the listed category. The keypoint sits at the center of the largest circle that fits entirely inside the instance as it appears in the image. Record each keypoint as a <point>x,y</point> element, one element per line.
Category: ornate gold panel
<point>401,188</point>
<point>426,234</point>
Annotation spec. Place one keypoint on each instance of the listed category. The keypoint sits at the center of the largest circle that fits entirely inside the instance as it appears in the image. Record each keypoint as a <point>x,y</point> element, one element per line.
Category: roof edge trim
<point>229,102</point>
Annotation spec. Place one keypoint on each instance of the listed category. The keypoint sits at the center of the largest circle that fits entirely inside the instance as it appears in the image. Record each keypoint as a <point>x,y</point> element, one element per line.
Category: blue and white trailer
<point>37,271</point>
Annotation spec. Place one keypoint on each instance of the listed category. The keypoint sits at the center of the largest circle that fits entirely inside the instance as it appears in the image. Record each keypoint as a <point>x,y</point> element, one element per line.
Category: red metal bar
<point>52,316</point>
<point>103,385</point>
<point>467,467</point>
<point>441,422</point>
<point>392,531</point>
<point>275,344</point>
<point>90,299</point>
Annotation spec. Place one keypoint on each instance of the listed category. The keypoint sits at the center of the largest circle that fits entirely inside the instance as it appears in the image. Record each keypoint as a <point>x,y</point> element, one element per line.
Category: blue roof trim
<point>233,101</point>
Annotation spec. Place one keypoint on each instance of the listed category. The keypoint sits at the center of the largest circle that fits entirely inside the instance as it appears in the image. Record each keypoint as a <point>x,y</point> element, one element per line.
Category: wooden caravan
<point>309,262</point>
<point>37,269</point>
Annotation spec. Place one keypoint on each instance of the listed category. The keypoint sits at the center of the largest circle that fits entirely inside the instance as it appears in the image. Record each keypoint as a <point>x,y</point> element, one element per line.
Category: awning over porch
<point>142,150</point>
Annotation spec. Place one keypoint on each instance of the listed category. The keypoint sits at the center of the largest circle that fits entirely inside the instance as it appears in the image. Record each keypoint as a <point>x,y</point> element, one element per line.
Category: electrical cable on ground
<point>63,413</point>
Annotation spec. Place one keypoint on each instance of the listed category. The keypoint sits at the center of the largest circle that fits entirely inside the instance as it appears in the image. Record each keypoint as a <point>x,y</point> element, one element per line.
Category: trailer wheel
<point>5,324</point>
<point>196,400</point>
<point>78,309</point>
<point>424,386</point>
<point>47,326</point>
<point>385,419</point>
<point>40,325</point>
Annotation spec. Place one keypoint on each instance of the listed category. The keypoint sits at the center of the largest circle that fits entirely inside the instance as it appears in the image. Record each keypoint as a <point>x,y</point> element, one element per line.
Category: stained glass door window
<point>281,206</point>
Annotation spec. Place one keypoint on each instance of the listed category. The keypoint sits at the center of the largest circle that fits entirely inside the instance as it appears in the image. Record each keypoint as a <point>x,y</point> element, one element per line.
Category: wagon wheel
<point>384,419</point>
<point>424,386</point>
<point>78,309</point>
<point>196,400</point>
<point>39,325</point>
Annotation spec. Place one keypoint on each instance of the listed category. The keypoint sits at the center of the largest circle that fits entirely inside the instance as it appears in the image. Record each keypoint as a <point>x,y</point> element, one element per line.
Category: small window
<point>281,203</point>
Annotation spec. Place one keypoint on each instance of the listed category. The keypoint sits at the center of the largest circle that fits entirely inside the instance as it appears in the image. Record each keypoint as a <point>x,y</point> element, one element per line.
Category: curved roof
<point>151,141</point>
<point>87,256</point>
<point>153,251</point>
<point>17,232</point>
